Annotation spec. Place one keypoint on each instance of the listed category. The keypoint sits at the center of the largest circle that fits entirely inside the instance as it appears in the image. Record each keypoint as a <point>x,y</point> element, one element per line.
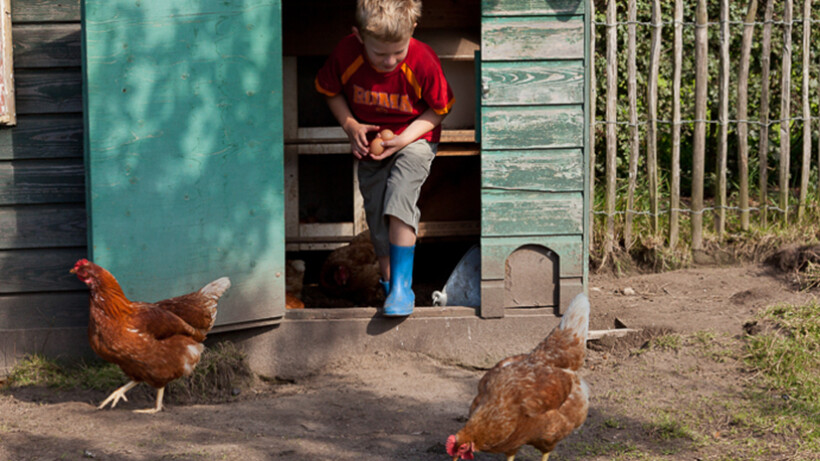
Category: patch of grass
<point>612,423</point>
<point>667,426</point>
<point>671,342</point>
<point>222,370</point>
<point>713,347</point>
<point>38,370</point>
<point>604,448</point>
<point>786,361</point>
<point>787,356</point>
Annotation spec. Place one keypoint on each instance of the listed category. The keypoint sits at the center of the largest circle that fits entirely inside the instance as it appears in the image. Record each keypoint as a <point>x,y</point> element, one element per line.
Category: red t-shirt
<point>388,99</point>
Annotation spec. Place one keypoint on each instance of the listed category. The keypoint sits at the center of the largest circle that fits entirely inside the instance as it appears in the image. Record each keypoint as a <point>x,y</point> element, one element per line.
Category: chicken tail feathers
<point>216,289</point>
<point>565,346</point>
<point>576,318</point>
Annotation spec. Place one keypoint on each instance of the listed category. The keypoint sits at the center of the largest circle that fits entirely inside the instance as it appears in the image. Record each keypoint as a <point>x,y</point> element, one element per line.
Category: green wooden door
<point>184,152</point>
<point>533,148</point>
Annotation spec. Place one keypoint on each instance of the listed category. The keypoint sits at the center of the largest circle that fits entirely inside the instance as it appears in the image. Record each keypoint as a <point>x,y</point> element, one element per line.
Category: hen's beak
<point>72,271</point>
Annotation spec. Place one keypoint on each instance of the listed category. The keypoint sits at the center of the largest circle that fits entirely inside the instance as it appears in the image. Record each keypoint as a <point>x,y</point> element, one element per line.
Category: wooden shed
<point>186,142</point>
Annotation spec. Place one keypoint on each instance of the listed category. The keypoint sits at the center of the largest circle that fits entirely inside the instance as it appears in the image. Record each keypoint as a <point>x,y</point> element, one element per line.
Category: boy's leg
<point>372,184</point>
<point>407,175</point>
<point>401,233</point>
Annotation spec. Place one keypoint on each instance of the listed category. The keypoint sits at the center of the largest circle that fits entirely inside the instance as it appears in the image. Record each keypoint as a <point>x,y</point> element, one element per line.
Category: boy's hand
<point>357,133</point>
<point>391,144</point>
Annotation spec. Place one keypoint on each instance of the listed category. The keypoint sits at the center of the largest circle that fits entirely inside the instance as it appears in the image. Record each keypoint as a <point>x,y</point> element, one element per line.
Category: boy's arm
<point>356,132</point>
<point>425,122</point>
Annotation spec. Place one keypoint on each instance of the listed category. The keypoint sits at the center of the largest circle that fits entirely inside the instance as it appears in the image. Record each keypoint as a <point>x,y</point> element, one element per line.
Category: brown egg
<point>387,135</point>
<point>376,147</point>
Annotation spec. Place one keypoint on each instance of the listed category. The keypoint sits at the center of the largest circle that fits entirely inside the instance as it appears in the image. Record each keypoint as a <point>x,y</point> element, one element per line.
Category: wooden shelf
<point>334,137</point>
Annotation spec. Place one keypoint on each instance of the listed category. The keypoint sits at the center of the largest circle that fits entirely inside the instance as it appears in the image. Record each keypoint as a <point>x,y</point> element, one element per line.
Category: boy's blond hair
<point>388,20</point>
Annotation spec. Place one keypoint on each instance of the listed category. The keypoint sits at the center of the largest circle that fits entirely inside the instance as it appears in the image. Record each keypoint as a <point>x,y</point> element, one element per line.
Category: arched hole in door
<point>531,277</point>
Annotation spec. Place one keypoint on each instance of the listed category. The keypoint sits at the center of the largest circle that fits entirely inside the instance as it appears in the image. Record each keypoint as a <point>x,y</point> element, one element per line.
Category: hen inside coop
<point>331,262</point>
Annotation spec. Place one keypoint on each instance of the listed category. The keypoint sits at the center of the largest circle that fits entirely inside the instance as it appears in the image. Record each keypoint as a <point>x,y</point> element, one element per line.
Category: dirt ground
<point>403,406</point>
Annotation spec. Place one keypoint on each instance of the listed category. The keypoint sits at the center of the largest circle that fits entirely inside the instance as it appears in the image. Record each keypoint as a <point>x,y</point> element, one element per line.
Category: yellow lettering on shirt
<point>394,101</point>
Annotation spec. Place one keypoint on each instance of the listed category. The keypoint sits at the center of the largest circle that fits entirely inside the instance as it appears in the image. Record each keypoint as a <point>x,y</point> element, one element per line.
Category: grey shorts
<point>391,187</point>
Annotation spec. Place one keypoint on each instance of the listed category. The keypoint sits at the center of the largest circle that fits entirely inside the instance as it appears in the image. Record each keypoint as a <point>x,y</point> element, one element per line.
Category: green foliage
<point>737,14</point>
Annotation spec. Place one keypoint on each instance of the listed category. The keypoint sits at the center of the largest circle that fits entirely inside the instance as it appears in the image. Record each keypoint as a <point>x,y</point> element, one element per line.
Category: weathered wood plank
<point>532,127</point>
<point>496,250</point>
<point>44,310</point>
<point>47,45</point>
<point>511,213</point>
<point>531,7</point>
<point>39,270</point>
<point>42,227</point>
<point>45,11</point>
<point>532,38</point>
<point>545,82</point>
<point>552,170</point>
<point>8,111</point>
<point>25,183</point>
<point>40,92</point>
<point>60,343</point>
<point>43,136</point>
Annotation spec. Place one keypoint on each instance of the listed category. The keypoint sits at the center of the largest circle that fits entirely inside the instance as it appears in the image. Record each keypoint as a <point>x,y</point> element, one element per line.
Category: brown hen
<point>151,342</point>
<point>531,399</point>
<point>352,272</point>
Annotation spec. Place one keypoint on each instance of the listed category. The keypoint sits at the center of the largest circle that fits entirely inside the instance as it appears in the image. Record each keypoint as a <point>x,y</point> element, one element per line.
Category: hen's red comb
<point>452,450</point>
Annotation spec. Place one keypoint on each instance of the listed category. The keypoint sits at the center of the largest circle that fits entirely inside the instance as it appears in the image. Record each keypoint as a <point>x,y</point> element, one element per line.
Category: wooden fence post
<point>635,141</point>
<point>674,195</point>
<point>765,83</point>
<point>652,103</point>
<point>723,119</point>
<point>698,155</point>
<point>611,118</point>
<point>743,113</point>
<point>593,95</point>
<point>785,109</point>
<point>804,171</point>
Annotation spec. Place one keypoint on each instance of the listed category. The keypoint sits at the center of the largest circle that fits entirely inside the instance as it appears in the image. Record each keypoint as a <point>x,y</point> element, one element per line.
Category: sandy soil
<point>403,406</point>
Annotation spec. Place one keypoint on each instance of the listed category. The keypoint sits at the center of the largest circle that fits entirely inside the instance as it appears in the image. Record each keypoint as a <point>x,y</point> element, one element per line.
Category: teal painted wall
<point>184,151</point>
<point>533,142</point>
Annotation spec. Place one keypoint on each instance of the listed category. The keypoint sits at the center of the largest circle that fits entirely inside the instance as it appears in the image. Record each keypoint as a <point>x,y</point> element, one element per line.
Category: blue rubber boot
<point>401,299</point>
<point>385,286</point>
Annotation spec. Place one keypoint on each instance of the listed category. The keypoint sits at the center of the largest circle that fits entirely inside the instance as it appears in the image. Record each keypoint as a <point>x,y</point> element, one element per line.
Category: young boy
<point>380,77</point>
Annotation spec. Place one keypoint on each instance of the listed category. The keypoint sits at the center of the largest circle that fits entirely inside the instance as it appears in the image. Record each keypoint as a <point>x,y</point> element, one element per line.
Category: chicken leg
<point>117,395</point>
<point>158,408</point>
